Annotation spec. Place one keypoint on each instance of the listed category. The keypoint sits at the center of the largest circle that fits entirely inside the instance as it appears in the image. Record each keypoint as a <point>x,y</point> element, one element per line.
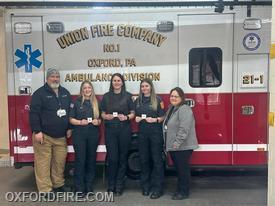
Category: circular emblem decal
<point>251,41</point>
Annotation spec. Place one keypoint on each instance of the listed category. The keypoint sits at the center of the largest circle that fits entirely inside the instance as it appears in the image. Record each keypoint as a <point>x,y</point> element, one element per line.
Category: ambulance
<point>216,51</point>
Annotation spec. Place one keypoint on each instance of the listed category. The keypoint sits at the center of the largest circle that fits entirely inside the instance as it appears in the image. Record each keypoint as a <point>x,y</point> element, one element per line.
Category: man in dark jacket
<point>49,122</point>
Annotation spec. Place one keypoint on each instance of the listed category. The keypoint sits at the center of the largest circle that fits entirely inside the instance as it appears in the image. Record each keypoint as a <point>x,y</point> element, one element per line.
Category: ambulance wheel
<point>133,166</point>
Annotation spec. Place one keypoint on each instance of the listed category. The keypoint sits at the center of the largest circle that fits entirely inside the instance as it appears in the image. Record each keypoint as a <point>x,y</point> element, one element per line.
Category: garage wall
<point>4,137</point>
<point>271,165</point>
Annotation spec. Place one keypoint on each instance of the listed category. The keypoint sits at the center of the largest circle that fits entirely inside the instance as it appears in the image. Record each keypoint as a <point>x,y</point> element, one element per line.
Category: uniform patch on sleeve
<point>72,105</point>
<point>162,105</point>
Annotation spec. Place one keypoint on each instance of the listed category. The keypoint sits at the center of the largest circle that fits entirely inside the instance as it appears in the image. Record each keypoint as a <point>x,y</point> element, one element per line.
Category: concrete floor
<point>208,189</point>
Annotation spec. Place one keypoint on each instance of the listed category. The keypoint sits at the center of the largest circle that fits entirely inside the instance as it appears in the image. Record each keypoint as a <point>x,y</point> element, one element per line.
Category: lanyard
<point>57,98</point>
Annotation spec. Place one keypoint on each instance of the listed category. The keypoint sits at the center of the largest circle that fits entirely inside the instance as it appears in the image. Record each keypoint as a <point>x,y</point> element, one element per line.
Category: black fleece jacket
<point>43,111</point>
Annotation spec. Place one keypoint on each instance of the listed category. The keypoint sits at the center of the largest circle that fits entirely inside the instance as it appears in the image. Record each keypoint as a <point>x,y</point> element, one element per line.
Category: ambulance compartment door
<point>27,51</point>
<point>205,74</point>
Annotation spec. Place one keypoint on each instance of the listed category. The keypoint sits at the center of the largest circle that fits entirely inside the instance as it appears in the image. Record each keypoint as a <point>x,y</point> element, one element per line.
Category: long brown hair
<point>153,96</point>
<point>93,98</point>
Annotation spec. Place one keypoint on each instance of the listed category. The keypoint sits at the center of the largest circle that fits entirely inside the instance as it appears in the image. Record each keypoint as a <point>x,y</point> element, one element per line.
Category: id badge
<point>115,114</point>
<point>143,116</point>
<point>89,119</point>
<point>61,112</point>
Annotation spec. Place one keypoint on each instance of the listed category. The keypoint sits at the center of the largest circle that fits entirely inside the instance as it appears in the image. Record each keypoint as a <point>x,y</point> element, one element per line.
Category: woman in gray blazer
<point>180,139</point>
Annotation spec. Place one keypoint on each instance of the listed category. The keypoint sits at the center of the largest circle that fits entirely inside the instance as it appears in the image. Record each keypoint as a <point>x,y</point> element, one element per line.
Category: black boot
<point>145,192</point>
<point>118,191</point>
<point>63,188</point>
<point>89,190</point>
<point>179,196</point>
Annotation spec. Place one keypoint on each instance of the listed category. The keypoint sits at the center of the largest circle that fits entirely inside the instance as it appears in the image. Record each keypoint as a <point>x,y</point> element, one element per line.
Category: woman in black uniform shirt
<point>84,115</point>
<point>117,111</point>
<point>149,114</point>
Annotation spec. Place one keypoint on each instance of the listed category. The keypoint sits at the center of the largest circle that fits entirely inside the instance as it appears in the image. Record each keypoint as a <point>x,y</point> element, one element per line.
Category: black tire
<point>133,160</point>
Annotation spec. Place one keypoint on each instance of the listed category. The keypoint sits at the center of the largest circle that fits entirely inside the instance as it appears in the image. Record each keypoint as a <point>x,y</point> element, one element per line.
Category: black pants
<point>85,146</point>
<point>150,151</point>
<point>118,138</point>
<point>181,161</point>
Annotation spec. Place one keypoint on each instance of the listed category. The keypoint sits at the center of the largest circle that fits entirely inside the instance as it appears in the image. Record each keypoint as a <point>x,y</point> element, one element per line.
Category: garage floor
<point>208,189</point>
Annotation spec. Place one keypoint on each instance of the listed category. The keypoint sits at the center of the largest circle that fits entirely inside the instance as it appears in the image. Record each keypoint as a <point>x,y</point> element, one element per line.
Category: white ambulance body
<point>218,55</point>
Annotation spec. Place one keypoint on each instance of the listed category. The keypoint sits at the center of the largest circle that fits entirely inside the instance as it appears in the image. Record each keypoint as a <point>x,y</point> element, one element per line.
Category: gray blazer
<point>180,132</point>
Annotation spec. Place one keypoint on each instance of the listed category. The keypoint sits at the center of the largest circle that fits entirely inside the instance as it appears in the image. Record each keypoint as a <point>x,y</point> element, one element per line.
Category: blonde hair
<point>93,99</point>
<point>153,96</point>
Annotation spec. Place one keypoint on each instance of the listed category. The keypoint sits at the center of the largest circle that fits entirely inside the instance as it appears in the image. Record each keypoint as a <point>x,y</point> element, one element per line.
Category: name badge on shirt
<point>89,119</point>
<point>115,114</point>
<point>61,112</point>
<point>143,116</point>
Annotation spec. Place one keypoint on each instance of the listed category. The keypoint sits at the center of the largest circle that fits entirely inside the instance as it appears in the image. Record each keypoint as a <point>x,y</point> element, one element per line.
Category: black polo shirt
<point>145,107</point>
<point>121,103</point>
<point>82,110</point>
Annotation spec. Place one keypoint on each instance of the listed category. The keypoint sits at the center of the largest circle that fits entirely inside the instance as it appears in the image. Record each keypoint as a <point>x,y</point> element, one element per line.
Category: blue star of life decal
<point>28,58</point>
